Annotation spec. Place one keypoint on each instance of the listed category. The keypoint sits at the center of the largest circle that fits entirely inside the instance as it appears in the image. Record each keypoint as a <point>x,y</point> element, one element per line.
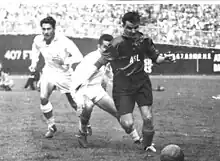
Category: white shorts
<point>62,80</point>
<point>92,92</point>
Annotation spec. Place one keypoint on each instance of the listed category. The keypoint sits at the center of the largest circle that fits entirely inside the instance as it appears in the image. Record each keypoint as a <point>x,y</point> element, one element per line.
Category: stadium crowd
<point>183,24</point>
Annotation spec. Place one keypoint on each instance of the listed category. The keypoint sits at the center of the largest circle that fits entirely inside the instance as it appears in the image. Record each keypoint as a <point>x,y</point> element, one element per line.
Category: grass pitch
<point>184,114</point>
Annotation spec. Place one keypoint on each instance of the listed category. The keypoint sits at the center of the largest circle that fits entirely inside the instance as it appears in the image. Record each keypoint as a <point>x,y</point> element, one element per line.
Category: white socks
<point>134,135</point>
<point>51,122</point>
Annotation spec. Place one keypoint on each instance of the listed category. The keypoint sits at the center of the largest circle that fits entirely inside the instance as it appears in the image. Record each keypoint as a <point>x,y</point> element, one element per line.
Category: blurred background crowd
<point>180,24</point>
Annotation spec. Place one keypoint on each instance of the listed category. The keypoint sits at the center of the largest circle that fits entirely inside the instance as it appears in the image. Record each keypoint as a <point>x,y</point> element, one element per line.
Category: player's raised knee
<point>44,101</point>
<point>127,125</point>
<point>46,108</point>
<point>45,105</point>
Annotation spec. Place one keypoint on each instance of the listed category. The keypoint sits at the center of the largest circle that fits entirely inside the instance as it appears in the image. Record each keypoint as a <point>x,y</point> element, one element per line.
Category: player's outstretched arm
<point>165,59</point>
<point>75,55</point>
<point>35,53</point>
<point>153,54</point>
<point>82,77</point>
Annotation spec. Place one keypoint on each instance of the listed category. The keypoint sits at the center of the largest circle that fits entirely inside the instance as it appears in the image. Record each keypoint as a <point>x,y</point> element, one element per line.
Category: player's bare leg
<point>127,123</point>
<point>125,106</point>
<point>107,104</point>
<point>73,104</point>
<point>84,129</point>
<point>71,101</point>
<point>47,108</point>
<point>148,128</point>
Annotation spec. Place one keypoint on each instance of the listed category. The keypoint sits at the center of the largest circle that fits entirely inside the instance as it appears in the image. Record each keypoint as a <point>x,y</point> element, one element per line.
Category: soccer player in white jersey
<point>93,92</point>
<point>59,53</point>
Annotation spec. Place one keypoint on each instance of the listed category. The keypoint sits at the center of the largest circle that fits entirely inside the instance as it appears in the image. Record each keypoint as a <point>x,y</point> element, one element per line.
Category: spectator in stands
<point>6,83</point>
<point>90,20</point>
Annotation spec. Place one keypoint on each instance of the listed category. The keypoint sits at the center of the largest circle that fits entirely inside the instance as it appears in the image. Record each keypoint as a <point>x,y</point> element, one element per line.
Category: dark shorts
<point>142,95</point>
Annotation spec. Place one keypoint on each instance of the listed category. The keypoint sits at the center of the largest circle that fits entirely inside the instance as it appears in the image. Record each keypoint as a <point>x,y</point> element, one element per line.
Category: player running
<point>59,53</point>
<point>131,84</point>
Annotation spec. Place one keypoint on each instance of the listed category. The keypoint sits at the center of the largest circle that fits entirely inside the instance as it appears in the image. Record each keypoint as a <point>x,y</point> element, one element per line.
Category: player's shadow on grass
<point>66,140</point>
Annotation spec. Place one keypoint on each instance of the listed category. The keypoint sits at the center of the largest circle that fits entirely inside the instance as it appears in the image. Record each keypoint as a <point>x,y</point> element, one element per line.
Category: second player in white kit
<point>59,54</point>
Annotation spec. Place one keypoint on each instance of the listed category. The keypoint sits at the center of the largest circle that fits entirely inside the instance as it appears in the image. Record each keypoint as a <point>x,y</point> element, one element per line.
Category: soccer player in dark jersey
<point>131,84</point>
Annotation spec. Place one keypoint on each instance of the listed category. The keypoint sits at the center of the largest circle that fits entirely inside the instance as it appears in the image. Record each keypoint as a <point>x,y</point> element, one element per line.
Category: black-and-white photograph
<point>109,80</point>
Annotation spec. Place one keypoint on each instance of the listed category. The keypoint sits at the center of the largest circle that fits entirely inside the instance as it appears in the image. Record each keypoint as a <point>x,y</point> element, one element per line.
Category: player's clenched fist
<point>170,58</point>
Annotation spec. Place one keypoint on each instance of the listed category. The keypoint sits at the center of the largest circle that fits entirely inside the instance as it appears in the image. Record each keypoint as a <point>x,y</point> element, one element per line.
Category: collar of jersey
<point>54,39</point>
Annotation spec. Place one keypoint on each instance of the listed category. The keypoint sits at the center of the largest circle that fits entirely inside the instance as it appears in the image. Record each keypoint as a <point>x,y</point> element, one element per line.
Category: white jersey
<point>61,47</point>
<point>91,58</point>
<point>92,89</point>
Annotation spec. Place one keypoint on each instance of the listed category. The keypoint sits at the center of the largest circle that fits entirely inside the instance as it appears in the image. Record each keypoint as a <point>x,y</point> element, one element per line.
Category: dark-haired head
<point>48,20</point>
<point>104,41</point>
<point>105,37</point>
<point>48,26</point>
<point>131,22</point>
<point>132,17</point>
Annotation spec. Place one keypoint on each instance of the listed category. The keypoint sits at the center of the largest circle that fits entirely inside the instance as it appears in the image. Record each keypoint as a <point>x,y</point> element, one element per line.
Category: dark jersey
<point>126,56</point>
